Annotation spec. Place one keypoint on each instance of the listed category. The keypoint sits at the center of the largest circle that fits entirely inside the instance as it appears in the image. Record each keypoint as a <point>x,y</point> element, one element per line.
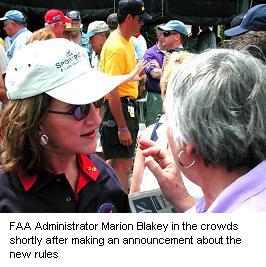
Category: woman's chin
<point>90,150</point>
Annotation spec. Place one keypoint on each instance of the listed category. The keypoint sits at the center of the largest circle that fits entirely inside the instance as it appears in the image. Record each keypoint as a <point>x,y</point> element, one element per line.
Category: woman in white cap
<point>48,133</point>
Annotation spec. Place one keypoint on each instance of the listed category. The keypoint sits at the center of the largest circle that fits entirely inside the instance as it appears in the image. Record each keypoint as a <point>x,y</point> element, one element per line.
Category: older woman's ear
<point>189,149</point>
<point>186,157</point>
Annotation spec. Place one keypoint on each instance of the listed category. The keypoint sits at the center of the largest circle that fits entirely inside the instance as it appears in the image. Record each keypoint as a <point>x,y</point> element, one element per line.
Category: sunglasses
<point>80,112</point>
<point>168,33</point>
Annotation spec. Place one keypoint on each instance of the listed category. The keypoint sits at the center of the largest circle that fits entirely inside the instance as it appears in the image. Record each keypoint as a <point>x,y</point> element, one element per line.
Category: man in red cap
<point>56,20</point>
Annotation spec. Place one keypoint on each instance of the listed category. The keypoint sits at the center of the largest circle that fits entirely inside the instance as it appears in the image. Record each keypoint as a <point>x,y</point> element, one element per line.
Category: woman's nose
<point>94,115</point>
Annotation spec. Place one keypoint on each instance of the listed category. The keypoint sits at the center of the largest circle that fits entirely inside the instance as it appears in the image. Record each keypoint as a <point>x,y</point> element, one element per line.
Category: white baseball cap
<point>59,68</point>
<point>95,27</point>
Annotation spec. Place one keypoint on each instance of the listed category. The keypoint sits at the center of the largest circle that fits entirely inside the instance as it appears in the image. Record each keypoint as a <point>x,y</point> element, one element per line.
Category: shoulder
<point>111,191</point>
<point>8,196</point>
<point>112,41</point>
<point>106,172</point>
<point>151,50</point>
<point>25,34</point>
<point>255,203</point>
<point>153,53</point>
<point>112,49</point>
<point>102,166</point>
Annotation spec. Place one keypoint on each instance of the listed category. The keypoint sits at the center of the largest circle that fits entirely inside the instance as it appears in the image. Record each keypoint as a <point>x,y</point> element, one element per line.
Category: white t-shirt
<point>140,46</point>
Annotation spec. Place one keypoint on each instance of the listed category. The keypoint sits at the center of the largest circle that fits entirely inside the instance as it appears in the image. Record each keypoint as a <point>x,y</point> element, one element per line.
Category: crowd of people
<point>69,124</point>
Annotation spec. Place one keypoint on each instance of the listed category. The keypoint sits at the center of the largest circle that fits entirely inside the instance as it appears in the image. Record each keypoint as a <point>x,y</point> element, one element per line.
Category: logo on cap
<point>142,7</point>
<point>56,18</point>
<point>69,61</point>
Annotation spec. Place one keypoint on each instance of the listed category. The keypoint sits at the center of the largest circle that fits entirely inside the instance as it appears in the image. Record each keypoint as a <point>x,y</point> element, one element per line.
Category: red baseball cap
<point>54,16</point>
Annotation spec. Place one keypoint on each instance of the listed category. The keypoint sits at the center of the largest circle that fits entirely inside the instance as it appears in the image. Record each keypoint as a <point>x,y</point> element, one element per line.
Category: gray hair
<point>217,102</point>
<point>105,33</point>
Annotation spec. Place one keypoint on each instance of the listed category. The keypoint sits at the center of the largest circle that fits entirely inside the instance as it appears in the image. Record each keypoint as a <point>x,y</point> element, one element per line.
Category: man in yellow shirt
<point>120,123</point>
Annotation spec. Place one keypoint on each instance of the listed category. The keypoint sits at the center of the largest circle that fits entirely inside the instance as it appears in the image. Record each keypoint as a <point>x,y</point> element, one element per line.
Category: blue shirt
<point>17,41</point>
<point>84,42</point>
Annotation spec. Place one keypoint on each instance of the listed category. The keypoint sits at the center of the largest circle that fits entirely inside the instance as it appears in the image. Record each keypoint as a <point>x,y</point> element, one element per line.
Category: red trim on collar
<point>26,181</point>
<point>87,172</point>
<point>137,34</point>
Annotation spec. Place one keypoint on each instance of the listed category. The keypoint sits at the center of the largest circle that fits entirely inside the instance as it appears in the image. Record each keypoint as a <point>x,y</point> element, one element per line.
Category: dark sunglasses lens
<point>80,112</point>
<point>99,103</point>
<point>166,34</point>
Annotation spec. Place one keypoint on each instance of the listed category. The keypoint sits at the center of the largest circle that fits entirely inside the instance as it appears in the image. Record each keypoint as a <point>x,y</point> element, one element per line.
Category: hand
<point>125,137</point>
<point>162,165</point>
<point>155,63</point>
<point>138,73</point>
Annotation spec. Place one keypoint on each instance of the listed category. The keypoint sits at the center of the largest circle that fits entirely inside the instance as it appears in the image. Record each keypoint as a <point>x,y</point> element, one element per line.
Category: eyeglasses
<point>168,33</point>
<point>80,112</point>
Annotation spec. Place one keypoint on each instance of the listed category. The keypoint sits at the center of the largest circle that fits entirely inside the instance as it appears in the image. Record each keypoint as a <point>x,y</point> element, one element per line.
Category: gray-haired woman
<point>216,112</point>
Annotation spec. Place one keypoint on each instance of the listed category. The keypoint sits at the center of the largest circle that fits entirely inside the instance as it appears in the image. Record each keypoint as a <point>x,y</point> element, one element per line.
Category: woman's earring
<point>184,166</point>
<point>44,140</point>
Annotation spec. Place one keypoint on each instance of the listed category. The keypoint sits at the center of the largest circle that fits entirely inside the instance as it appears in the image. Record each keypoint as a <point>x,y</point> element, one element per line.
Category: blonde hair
<point>170,61</point>
<point>41,35</point>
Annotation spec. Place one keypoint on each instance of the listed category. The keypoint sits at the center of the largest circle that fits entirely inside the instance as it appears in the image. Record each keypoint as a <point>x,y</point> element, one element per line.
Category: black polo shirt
<point>98,190</point>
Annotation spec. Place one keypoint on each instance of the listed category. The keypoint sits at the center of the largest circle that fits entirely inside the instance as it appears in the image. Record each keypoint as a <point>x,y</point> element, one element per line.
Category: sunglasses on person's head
<point>168,33</point>
<point>80,112</point>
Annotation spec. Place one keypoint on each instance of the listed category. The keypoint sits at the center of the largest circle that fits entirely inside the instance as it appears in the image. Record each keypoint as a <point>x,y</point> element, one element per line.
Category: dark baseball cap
<point>73,15</point>
<point>134,7</point>
<point>254,20</point>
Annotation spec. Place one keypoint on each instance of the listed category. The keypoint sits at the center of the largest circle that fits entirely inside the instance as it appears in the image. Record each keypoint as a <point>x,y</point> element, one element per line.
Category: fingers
<point>156,152</point>
<point>125,138</point>
<point>149,148</point>
<point>126,142</point>
<point>144,143</point>
<point>155,63</point>
<point>142,64</point>
<point>154,167</point>
<point>138,73</point>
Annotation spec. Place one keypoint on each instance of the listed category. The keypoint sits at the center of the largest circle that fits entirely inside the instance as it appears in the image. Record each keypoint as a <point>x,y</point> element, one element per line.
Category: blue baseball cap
<point>14,15</point>
<point>254,20</point>
<point>174,25</point>
<point>236,21</point>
